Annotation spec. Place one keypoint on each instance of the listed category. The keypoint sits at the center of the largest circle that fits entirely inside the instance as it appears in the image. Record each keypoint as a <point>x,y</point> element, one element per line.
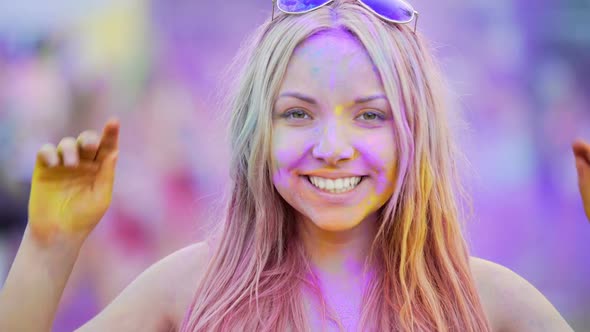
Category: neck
<point>341,253</point>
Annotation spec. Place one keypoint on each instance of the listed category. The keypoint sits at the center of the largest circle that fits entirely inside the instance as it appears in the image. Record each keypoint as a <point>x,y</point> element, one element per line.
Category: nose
<point>332,146</point>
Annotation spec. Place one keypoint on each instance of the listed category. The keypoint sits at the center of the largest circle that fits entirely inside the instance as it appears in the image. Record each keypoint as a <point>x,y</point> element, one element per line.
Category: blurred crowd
<point>518,72</point>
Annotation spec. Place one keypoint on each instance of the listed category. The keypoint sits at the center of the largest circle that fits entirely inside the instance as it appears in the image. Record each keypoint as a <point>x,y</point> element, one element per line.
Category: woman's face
<point>332,127</point>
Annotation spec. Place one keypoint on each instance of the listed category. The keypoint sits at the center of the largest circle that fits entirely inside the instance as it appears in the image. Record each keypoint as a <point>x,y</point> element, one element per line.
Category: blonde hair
<point>423,281</point>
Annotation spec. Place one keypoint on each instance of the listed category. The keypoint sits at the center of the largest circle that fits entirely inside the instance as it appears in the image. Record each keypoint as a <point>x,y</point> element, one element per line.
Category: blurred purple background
<point>518,71</point>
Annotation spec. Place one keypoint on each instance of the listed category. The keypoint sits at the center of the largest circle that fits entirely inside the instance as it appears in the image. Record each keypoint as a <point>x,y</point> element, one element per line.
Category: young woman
<point>343,213</point>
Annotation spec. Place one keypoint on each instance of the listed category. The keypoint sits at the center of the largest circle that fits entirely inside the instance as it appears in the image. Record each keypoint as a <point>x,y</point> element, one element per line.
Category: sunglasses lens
<point>300,6</point>
<point>395,10</point>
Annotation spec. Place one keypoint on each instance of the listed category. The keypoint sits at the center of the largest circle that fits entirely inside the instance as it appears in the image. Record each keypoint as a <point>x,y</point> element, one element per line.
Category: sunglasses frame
<point>414,16</point>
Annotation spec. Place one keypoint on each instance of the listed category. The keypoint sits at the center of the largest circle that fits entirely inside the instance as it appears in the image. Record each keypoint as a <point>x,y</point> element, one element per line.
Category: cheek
<point>379,152</point>
<point>289,148</point>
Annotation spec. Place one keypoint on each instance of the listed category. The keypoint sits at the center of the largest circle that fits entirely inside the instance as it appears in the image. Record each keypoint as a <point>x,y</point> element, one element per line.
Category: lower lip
<point>335,197</point>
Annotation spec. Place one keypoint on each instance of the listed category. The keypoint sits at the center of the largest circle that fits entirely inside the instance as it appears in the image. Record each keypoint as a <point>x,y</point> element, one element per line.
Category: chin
<point>336,223</point>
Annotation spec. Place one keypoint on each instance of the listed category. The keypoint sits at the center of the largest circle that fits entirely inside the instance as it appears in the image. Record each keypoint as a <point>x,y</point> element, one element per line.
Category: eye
<point>295,113</point>
<point>371,116</point>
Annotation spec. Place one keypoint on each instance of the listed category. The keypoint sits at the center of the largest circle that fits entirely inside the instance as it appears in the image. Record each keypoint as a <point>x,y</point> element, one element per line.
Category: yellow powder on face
<point>373,199</point>
<point>338,110</point>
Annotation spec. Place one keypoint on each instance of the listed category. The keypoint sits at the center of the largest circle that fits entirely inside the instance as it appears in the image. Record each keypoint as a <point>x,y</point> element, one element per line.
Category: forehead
<point>332,60</point>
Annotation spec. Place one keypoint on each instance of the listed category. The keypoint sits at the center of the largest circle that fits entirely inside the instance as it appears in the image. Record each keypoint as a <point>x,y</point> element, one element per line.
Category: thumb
<point>107,168</point>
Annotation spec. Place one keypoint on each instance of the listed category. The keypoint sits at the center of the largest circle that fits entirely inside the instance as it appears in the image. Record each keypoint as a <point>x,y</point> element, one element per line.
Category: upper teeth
<point>335,185</point>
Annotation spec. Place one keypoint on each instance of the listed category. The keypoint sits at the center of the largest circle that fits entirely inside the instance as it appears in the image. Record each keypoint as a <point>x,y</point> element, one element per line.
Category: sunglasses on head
<point>395,11</point>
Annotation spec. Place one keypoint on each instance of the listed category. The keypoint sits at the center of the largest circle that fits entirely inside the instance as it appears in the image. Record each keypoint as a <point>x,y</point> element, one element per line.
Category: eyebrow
<point>312,101</point>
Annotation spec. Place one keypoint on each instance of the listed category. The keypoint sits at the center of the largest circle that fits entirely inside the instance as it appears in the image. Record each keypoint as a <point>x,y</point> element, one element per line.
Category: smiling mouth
<point>335,186</point>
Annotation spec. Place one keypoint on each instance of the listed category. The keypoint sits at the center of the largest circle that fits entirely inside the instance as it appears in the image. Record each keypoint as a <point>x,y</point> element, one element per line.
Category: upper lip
<point>332,174</point>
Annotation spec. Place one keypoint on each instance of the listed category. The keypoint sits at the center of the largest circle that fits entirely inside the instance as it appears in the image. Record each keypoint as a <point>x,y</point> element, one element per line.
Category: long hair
<point>422,280</point>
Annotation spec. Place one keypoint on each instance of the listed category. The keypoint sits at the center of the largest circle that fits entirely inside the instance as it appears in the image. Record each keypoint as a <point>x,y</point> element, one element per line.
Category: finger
<point>88,145</point>
<point>106,173</point>
<point>582,168</point>
<point>109,142</point>
<point>47,155</point>
<point>68,152</point>
<point>581,149</point>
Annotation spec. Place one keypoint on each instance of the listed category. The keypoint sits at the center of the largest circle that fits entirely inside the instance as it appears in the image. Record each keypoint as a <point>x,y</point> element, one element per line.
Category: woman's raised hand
<point>582,154</point>
<point>72,184</point>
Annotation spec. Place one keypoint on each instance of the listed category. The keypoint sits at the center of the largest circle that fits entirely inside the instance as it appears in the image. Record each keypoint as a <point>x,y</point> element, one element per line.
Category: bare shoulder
<point>157,299</point>
<point>187,267</point>
<point>512,303</point>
